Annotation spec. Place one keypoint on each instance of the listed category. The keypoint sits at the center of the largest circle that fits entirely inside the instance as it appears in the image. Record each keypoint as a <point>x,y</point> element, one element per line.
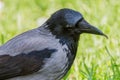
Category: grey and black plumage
<point>46,52</point>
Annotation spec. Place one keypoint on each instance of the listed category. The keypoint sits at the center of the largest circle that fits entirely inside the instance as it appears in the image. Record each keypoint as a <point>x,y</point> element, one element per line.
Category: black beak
<point>85,27</point>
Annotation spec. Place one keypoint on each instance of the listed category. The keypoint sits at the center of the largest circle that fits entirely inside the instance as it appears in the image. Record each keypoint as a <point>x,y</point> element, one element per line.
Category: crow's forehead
<point>67,15</point>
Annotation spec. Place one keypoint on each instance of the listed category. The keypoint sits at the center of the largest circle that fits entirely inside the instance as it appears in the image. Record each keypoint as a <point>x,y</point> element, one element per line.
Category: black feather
<point>23,64</point>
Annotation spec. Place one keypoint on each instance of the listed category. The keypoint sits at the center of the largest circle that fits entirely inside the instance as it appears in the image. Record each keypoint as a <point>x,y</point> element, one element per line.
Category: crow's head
<point>67,21</point>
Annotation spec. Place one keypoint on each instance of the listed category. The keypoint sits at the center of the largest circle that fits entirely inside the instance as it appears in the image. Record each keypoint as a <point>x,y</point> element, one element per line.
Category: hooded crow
<point>46,52</point>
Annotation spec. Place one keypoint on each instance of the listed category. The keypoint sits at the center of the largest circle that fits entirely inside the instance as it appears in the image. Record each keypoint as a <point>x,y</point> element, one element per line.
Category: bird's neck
<point>71,42</point>
<point>72,45</point>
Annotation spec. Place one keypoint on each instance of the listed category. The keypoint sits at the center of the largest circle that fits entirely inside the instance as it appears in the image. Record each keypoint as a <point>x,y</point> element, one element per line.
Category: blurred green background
<point>98,58</point>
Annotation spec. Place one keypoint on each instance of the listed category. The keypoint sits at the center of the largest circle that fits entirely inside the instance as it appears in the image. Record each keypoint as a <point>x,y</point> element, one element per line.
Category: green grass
<point>97,58</point>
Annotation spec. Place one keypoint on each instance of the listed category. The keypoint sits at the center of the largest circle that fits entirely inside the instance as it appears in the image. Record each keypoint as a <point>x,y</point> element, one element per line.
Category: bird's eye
<point>69,26</point>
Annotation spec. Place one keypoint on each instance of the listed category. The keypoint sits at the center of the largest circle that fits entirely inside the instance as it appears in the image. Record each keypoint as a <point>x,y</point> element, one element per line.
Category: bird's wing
<point>23,55</point>
<point>18,65</point>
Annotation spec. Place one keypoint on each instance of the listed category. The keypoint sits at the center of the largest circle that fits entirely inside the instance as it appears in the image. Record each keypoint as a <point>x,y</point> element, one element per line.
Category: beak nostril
<point>77,24</point>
